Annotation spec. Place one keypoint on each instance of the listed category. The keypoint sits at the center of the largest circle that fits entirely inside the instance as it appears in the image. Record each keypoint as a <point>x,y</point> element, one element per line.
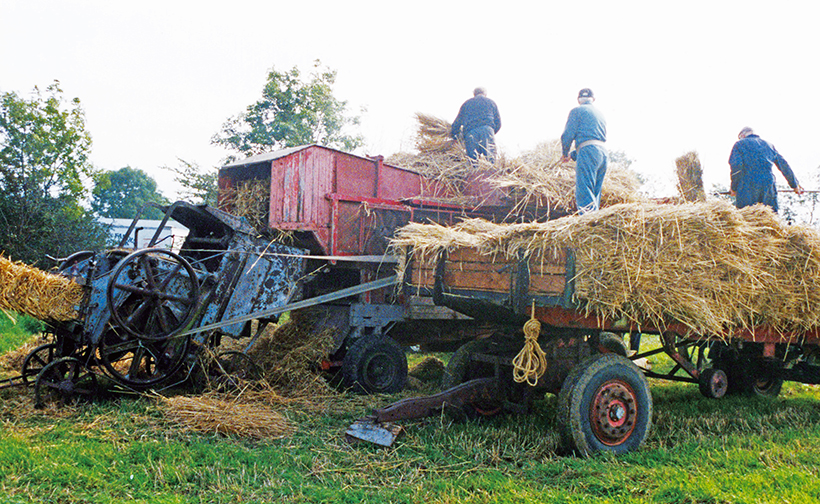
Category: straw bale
<point>709,266</point>
<point>24,289</point>
<point>690,177</point>
<point>217,414</point>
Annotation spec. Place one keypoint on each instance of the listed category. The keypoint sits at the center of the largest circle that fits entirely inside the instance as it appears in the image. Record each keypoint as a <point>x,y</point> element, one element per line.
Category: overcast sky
<point>157,78</point>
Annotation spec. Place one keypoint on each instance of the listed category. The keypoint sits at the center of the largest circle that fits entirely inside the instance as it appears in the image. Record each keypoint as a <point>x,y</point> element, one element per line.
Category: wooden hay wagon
<point>547,340</point>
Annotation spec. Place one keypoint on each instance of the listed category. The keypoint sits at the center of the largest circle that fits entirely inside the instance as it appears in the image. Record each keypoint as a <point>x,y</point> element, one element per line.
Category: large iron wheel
<point>153,294</point>
<point>36,360</point>
<point>141,364</point>
<point>375,365</point>
<point>64,380</point>
<point>604,405</point>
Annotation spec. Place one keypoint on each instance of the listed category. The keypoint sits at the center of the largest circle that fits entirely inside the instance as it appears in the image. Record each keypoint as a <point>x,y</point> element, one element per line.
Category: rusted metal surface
<point>484,391</point>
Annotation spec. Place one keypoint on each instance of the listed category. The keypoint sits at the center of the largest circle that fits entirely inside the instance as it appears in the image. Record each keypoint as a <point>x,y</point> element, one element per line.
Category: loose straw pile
<point>249,199</point>
<point>536,182</point>
<point>708,266</point>
<point>215,414</point>
<point>24,289</point>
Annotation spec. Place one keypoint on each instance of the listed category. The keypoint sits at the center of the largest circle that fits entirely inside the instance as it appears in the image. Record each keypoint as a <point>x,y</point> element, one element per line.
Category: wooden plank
<point>547,285</point>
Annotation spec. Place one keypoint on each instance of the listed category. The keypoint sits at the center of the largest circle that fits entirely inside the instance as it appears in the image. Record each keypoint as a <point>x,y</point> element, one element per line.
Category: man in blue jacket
<point>752,176</point>
<point>586,126</point>
<point>478,121</point>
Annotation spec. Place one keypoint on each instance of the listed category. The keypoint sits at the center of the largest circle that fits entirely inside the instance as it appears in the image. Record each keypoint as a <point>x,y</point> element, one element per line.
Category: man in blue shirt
<point>586,126</point>
<point>478,121</point>
<point>752,176</point>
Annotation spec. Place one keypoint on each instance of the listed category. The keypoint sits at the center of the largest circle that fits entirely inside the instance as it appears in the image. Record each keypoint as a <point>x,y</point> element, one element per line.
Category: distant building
<point>171,237</point>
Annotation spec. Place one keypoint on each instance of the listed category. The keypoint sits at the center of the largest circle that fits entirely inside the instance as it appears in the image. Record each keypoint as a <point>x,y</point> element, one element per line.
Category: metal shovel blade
<point>367,429</point>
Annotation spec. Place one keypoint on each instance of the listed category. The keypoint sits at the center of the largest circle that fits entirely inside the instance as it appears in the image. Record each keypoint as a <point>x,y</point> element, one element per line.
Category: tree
<point>291,113</point>
<point>200,185</point>
<point>122,193</point>
<point>44,166</point>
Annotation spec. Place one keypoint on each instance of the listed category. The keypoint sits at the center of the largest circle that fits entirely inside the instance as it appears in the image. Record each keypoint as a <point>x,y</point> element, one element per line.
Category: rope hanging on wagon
<point>531,362</point>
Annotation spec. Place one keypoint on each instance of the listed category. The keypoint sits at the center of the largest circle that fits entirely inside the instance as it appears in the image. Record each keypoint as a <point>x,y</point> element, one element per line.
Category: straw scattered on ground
<point>24,289</point>
<point>226,415</point>
<point>709,266</point>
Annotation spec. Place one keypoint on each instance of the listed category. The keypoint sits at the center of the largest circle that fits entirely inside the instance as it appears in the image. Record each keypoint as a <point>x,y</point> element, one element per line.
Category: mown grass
<point>735,450</point>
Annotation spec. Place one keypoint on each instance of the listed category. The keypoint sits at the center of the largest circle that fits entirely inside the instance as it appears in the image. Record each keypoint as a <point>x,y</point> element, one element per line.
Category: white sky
<point>157,78</point>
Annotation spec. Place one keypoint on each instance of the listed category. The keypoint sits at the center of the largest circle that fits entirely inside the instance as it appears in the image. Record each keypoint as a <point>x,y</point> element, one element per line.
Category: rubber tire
<point>457,370</point>
<point>713,383</point>
<point>575,403</point>
<point>758,382</point>
<point>375,366</point>
<point>612,343</point>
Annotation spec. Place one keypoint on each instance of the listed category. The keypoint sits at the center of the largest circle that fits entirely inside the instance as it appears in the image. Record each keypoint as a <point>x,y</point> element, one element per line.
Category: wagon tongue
<point>378,428</point>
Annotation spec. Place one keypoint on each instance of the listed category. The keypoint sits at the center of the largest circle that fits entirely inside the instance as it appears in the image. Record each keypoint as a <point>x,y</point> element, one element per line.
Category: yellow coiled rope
<point>531,362</point>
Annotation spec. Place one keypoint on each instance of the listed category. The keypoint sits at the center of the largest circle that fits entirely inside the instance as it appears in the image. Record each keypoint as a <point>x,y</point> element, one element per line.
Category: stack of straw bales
<point>535,180</point>
<point>709,266</point>
<point>44,296</point>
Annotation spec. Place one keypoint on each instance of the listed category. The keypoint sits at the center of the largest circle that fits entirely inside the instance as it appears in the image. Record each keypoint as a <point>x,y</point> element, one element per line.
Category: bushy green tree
<point>291,112</point>
<point>199,184</point>
<point>44,168</point>
<point>120,194</point>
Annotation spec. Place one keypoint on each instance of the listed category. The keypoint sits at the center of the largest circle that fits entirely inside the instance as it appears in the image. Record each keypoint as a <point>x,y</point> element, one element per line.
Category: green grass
<point>15,329</point>
<point>734,450</point>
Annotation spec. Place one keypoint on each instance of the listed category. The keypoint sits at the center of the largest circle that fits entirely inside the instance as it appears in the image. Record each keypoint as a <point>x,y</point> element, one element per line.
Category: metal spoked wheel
<point>604,405</point>
<point>153,294</point>
<point>36,360</point>
<point>64,380</point>
<point>140,364</point>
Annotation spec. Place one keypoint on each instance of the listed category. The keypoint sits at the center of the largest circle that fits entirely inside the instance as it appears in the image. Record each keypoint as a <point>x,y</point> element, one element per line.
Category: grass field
<point>734,450</point>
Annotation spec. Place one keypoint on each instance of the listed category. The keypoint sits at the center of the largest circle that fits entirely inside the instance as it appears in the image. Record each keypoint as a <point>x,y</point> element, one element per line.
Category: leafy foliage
<point>44,164</point>
<point>120,194</point>
<point>199,184</point>
<point>291,112</point>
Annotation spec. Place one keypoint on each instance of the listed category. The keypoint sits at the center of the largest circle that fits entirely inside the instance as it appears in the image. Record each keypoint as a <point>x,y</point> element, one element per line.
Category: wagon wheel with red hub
<point>65,380</point>
<point>153,294</point>
<point>604,406</point>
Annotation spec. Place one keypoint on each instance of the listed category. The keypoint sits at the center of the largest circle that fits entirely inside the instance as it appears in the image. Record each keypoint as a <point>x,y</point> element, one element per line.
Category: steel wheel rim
<point>613,413</point>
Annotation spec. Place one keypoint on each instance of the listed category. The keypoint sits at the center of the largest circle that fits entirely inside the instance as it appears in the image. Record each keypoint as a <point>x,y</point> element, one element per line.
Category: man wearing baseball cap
<point>586,127</point>
<point>752,176</point>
